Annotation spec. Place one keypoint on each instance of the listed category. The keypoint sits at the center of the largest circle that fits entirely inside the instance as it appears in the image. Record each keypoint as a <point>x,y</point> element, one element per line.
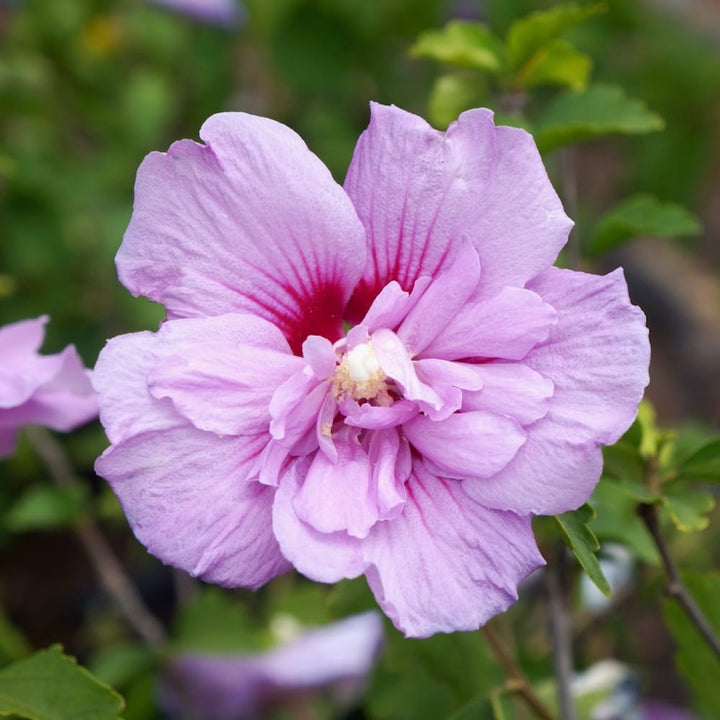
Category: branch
<point>675,587</point>
<point>559,630</point>
<point>516,680</point>
<point>570,200</point>
<point>109,571</point>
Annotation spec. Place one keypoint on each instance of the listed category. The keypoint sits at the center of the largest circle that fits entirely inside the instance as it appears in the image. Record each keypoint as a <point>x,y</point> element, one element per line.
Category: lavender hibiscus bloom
<point>50,390</point>
<point>251,434</point>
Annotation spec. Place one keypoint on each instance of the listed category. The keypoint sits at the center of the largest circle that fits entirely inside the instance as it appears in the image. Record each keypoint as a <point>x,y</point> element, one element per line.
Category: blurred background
<point>89,87</point>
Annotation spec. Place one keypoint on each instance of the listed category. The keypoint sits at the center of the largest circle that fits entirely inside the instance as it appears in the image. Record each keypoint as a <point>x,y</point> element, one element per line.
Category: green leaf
<point>119,664</point>
<point>695,660</point>
<point>601,110</point>
<point>649,432</point>
<point>463,44</point>
<point>639,216</point>
<point>703,464</point>
<point>46,507</point>
<point>52,686</point>
<point>431,678</point>
<point>13,644</point>
<point>584,545</point>
<point>558,64</point>
<point>216,622</point>
<point>303,601</point>
<point>453,94</point>
<point>622,461</point>
<point>688,509</point>
<point>480,707</point>
<point>617,520</point>
<point>534,31</point>
<point>349,597</point>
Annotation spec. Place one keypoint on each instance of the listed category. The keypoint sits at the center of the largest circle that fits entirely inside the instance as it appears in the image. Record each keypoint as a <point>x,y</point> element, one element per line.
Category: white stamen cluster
<point>359,374</point>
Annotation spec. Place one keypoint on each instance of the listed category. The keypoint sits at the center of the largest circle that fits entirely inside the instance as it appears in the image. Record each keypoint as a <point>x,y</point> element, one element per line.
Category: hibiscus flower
<point>254,432</point>
<point>49,390</point>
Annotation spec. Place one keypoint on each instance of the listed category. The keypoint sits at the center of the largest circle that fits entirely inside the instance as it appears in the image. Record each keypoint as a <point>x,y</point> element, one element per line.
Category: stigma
<point>360,376</point>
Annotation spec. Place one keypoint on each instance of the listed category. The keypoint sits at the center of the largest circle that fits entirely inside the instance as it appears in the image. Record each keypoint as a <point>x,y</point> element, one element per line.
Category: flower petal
<point>453,284</point>
<point>186,496</point>
<point>337,652</point>
<point>396,364</point>
<point>445,372</point>
<point>391,463</point>
<point>597,358</point>
<point>418,190</point>
<point>377,417</point>
<point>323,557</point>
<point>504,326</point>
<point>250,222</point>
<point>511,389</point>
<point>392,304</point>
<point>22,369</point>
<point>22,338</point>
<point>223,387</point>
<point>336,496</point>
<point>466,445</point>
<point>121,373</point>
<point>64,402</point>
<point>447,563</point>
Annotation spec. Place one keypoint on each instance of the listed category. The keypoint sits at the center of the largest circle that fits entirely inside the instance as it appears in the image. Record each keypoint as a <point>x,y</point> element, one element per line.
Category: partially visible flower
<point>235,687</point>
<point>225,13</point>
<point>613,688</point>
<point>474,388</point>
<point>49,390</point>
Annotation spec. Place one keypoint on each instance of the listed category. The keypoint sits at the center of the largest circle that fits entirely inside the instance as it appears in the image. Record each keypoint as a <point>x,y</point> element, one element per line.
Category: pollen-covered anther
<point>360,376</point>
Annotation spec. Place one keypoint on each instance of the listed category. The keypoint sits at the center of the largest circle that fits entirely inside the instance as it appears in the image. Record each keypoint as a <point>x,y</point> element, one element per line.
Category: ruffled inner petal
<point>396,363</point>
<point>451,287</point>
<point>505,326</point>
<point>467,444</point>
<point>336,496</point>
<point>390,460</point>
<point>511,389</point>
<point>392,304</point>
<point>324,557</point>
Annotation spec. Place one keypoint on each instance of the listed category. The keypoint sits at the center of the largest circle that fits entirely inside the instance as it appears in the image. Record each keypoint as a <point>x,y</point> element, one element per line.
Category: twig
<point>570,200</point>
<point>675,587</point>
<point>109,571</point>
<point>560,632</point>
<point>516,680</point>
